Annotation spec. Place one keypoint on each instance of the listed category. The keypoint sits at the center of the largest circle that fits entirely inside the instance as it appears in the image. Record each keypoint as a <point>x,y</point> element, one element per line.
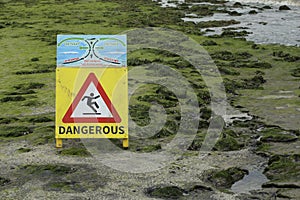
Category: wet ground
<point>266,26</point>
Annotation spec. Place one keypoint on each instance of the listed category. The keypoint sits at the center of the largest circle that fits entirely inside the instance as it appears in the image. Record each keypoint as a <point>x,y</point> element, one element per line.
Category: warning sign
<point>91,87</point>
<point>91,103</point>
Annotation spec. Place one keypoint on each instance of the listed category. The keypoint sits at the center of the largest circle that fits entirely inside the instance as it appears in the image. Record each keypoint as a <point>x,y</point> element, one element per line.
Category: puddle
<point>236,117</point>
<point>253,181</point>
<point>281,107</point>
<point>204,3</point>
<point>277,97</point>
<point>285,92</point>
<point>191,15</point>
<point>168,3</point>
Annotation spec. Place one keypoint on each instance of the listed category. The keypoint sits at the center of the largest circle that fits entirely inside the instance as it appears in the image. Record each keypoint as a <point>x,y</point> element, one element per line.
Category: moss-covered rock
<point>254,83</point>
<point>42,135</point>
<point>149,148</point>
<point>251,64</point>
<point>82,180</point>
<point>65,186</point>
<point>296,72</point>
<point>227,142</point>
<point>231,86</point>
<point>52,168</point>
<point>23,150</point>
<point>284,7</point>
<point>206,113</point>
<point>277,135</point>
<point>216,23</point>
<point>286,56</point>
<point>267,7</point>
<point>4,181</point>
<point>223,55</point>
<point>229,56</point>
<point>225,178</point>
<point>228,71</point>
<point>40,119</point>
<point>30,85</point>
<point>197,142</point>
<point>283,168</point>
<point>209,43</point>
<point>234,34</point>
<point>165,192</point>
<point>15,131</point>
<point>234,13</point>
<point>237,5</point>
<point>13,98</point>
<point>164,132</point>
<point>252,12</point>
<point>8,120</point>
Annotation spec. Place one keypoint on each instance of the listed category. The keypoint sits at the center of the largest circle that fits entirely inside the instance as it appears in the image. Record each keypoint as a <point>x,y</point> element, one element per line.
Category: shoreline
<point>269,2</point>
<point>256,22</point>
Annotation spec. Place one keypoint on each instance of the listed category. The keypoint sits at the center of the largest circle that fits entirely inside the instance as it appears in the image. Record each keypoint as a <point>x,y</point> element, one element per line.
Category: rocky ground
<point>256,156</point>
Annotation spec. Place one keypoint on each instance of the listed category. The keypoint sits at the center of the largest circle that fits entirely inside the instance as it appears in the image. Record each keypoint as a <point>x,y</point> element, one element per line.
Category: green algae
<point>225,178</point>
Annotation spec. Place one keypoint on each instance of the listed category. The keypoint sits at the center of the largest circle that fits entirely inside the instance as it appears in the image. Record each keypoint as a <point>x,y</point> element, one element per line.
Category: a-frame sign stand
<point>59,143</point>
<point>91,88</point>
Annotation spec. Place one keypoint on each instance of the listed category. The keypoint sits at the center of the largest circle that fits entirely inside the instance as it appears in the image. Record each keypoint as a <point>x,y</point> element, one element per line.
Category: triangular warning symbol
<point>91,105</point>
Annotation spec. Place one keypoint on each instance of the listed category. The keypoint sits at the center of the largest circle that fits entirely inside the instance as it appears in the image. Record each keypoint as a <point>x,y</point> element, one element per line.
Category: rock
<point>165,192</point>
<point>255,46</point>
<point>263,23</point>
<point>225,178</point>
<point>267,7</point>
<point>209,43</point>
<point>252,12</point>
<point>150,148</point>
<point>283,168</point>
<point>4,181</point>
<point>277,135</point>
<point>286,56</point>
<point>48,169</point>
<point>223,55</point>
<point>227,142</point>
<point>237,5</point>
<point>284,7</point>
<point>234,13</point>
<point>206,113</point>
<point>228,33</point>
<point>200,187</point>
<point>35,59</point>
<point>210,30</point>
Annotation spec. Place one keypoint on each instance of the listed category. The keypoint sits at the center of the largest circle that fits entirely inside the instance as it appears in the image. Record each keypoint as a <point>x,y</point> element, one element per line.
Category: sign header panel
<point>91,51</point>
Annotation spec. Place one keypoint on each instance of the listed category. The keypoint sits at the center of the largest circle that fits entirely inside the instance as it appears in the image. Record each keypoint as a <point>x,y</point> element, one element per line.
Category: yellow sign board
<point>91,103</point>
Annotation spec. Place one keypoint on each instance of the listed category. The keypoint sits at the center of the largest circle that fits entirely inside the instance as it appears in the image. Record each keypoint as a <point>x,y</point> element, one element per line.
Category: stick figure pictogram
<point>92,104</point>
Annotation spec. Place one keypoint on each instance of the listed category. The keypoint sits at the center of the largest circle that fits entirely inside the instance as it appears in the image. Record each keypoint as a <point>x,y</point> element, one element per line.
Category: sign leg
<point>125,143</point>
<point>58,143</point>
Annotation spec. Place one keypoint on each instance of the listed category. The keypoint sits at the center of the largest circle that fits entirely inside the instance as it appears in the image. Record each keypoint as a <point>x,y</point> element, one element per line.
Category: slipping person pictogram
<point>91,103</point>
